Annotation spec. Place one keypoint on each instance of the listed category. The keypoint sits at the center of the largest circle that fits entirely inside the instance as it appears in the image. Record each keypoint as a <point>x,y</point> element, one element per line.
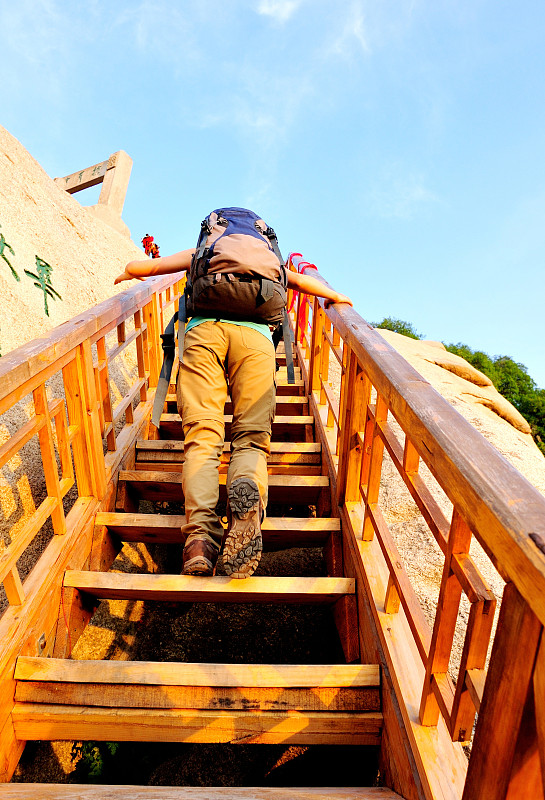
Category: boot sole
<point>244,543</point>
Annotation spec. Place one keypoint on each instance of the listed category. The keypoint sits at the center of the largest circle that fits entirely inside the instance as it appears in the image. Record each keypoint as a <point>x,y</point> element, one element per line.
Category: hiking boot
<point>243,543</point>
<point>200,556</point>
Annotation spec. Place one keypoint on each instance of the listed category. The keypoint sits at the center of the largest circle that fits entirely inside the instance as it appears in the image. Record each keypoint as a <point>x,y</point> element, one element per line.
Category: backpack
<point>237,270</point>
<point>238,273</point>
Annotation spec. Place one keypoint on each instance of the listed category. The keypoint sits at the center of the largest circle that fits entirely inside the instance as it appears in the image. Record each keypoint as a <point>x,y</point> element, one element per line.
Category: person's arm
<point>308,285</point>
<point>164,265</point>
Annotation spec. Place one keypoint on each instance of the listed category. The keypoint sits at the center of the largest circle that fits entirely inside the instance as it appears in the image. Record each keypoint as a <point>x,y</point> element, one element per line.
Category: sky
<point>397,144</point>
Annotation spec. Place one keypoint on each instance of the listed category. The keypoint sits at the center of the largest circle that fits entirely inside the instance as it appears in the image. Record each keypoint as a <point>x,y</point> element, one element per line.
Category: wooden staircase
<point>94,463</point>
<point>292,704</point>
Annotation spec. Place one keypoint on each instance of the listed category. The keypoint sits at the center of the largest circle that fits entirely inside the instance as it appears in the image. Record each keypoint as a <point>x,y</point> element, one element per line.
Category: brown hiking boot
<point>243,543</point>
<point>200,556</point>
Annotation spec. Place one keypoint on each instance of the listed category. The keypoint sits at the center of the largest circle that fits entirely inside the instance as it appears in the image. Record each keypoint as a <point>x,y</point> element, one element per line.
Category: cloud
<point>354,32</point>
<point>399,194</point>
<point>280,10</point>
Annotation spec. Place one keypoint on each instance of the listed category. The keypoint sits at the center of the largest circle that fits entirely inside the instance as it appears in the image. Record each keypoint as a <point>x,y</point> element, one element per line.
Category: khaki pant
<point>215,354</point>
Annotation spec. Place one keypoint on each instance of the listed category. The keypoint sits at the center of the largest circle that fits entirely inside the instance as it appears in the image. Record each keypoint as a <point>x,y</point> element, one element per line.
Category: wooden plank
<point>475,680</point>
<point>161,486</point>
<point>444,627</point>
<point>20,438</point>
<point>426,503</point>
<point>506,690</point>
<point>357,392</point>
<point>203,686</point>
<point>407,595</point>
<point>539,695</point>
<point>13,587</point>
<point>277,532</point>
<point>48,791</point>
<point>49,462</point>
<point>168,445</point>
<point>190,589</point>
<point>170,673</point>
<point>477,638</point>
<point>346,620</point>
<point>526,778</point>
<point>52,722</point>
<point>209,698</point>
<point>171,425</point>
<point>25,536</point>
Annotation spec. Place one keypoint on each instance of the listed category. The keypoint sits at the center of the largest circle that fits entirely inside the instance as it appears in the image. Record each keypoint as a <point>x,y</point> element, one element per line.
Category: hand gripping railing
<point>382,404</point>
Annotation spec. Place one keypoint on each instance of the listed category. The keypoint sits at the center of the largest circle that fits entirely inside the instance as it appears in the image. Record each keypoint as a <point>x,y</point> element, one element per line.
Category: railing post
<point>504,764</point>
<point>357,391</point>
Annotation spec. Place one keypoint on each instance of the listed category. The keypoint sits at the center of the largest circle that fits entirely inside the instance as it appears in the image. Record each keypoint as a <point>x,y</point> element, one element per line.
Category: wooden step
<point>296,458</point>
<point>278,532</point>
<point>48,722</point>
<point>285,404</point>
<point>293,427</point>
<point>285,388</point>
<point>192,588</point>
<point>265,687</point>
<point>160,485</point>
<point>80,791</point>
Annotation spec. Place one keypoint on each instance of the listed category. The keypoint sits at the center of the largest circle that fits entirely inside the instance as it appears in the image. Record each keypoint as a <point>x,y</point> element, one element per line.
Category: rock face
<point>38,219</point>
<point>475,398</point>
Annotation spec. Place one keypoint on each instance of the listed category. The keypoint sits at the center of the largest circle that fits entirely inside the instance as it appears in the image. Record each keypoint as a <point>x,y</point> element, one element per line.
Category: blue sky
<point>398,144</point>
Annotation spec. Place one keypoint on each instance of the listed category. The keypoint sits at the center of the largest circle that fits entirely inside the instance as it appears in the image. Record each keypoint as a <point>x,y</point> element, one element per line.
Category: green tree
<point>511,379</point>
<point>398,326</point>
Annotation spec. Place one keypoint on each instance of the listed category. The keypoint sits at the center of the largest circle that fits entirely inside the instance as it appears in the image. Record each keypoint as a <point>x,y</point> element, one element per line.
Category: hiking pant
<point>218,354</point>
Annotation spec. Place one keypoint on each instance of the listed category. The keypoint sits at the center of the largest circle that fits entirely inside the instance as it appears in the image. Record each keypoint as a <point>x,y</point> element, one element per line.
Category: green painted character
<point>42,280</point>
<point>3,247</point>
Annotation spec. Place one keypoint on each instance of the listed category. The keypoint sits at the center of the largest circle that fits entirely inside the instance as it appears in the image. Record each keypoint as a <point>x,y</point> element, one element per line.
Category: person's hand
<point>340,298</point>
<point>123,277</point>
<point>126,276</point>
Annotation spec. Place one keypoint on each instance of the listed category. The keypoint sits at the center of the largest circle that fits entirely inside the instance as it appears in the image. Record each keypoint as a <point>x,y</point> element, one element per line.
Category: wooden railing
<point>382,404</point>
<point>85,391</point>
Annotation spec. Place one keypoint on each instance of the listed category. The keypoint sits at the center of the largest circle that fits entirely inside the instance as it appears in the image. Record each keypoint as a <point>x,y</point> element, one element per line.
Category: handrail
<point>89,416</point>
<point>505,512</point>
<point>490,500</point>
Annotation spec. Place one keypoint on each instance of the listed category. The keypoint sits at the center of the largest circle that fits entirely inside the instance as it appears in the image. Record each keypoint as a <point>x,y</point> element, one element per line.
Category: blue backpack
<point>238,273</point>
<point>237,270</point>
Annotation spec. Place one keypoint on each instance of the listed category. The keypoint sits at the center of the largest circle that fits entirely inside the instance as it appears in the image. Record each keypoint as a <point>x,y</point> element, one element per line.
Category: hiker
<point>218,353</point>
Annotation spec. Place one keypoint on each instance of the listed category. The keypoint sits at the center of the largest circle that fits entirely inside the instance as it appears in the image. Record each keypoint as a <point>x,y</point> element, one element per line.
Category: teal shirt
<point>260,327</point>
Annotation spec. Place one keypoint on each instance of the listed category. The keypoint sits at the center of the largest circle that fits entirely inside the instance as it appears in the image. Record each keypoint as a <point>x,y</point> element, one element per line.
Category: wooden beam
<point>160,485</point>
<point>53,722</point>
<point>170,673</point>
<point>191,589</point>
<point>505,694</point>
<point>48,791</point>
<point>278,532</point>
<point>216,686</point>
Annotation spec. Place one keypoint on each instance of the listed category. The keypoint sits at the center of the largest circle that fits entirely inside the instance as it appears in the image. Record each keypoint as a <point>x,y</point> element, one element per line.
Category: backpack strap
<point>206,230</point>
<point>169,349</point>
<point>286,330</point>
<point>286,334</point>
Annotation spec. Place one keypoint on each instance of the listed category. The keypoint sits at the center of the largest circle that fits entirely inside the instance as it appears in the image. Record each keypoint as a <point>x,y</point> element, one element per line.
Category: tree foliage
<point>511,379</point>
<point>398,326</point>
